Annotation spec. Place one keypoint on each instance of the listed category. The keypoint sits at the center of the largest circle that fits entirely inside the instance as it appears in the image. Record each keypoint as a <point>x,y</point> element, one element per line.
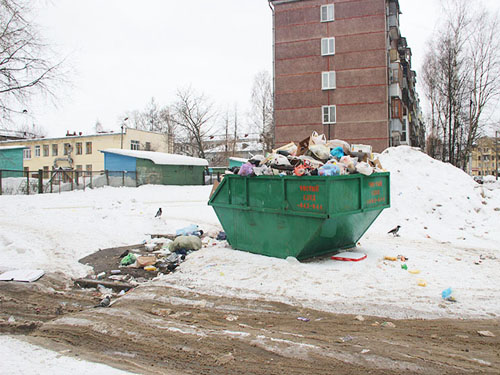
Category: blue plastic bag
<point>337,152</point>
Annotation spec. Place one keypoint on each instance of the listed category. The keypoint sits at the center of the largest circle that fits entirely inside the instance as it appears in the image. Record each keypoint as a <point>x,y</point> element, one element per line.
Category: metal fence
<point>29,182</point>
<point>14,182</point>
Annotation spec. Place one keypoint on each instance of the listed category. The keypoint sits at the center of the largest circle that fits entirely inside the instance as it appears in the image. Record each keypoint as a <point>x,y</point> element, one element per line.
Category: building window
<point>79,148</point>
<point>27,154</point>
<point>148,146</point>
<point>67,148</point>
<point>134,145</point>
<point>327,13</point>
<point>396,109</point>
<point>45,150</point>
<point>78,167</point>
<point>327,46</point>
<point>328,81</point>
<point>46,172</point>
<point>88,147</point>
<point>88,168</point>
<point>404,130</point>
<point>37,151</point>
<point>329,114</point>
<point>55,150</point>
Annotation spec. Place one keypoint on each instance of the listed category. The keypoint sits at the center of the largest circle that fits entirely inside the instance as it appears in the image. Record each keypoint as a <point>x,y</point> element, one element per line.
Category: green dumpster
<point>295,216</point>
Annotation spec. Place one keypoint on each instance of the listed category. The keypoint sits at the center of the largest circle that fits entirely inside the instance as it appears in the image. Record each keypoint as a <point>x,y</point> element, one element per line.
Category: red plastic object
<point>349,257</point>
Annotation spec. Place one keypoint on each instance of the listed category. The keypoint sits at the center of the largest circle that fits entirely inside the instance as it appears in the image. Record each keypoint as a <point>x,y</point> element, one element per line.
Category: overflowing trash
<point>118,270</point>
<point>314,156</point>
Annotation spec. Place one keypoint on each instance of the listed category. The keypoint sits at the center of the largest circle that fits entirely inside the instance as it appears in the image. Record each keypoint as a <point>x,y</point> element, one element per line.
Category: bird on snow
<point>158,213</point>
<point>395,231</point>
<point>105,302</point>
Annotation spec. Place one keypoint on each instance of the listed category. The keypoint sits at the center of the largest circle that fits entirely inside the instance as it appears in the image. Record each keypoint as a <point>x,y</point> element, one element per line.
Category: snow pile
<point>432,199</point>
<point>19,358</point>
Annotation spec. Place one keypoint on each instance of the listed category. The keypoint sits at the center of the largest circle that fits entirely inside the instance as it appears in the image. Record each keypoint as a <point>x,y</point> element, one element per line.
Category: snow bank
<point>432,199</point>
<point>19,358</point>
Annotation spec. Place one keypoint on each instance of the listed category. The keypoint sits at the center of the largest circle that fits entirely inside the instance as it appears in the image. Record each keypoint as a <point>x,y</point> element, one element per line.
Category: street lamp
<point>121,135</point>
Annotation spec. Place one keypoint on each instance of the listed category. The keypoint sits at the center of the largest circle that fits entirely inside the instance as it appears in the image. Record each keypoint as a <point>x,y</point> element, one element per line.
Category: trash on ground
<point>415,272</point>
<point>348,256</point>
<point>185,242</point>
<point>421,282</point>
<point>404,266</point>
<point>390,258</point>
<point>486,334</point>
<point>345,339</point>
<point>128,259</point>
<point>301,318</point>
<point>191,230</point>
<point>231,318</point>
<point>446,293</point>
<point>364,351</point>
<point>388,324</point>
<point>143,261</point>
<point>221,236</point>
<point>360,318</point>
<point>27,276</point>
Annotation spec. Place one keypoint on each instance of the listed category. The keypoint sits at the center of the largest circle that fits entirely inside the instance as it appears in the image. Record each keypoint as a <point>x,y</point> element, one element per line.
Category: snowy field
<point>449,232</point>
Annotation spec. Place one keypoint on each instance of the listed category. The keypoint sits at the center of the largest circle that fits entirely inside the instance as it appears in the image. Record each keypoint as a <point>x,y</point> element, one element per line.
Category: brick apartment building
<point>342,68</point>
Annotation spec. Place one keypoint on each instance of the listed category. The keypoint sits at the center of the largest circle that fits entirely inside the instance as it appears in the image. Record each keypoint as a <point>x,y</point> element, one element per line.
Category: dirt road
<point>160,330</point>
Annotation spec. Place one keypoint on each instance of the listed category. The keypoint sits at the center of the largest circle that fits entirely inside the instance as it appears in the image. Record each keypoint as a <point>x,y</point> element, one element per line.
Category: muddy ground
<point>161,330</point>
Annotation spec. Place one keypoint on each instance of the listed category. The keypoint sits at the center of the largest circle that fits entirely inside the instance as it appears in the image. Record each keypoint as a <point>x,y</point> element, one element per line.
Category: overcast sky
<point>124,52</point>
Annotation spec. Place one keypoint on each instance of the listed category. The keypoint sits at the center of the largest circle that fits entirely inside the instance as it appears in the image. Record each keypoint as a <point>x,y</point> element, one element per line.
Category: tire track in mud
<point>157,329</point>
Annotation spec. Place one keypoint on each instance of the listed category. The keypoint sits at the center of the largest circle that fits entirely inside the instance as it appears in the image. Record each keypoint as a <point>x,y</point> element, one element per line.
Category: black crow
<point>395,231</point>
<point>158,213</point>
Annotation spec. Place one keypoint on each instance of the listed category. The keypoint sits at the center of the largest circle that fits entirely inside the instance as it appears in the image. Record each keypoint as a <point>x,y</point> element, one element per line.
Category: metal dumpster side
<point>299,216</point>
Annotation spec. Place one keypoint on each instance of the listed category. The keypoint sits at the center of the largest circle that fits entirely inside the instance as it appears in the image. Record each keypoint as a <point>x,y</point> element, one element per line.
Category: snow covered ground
<point>448,224</point>
<point>21,358</point>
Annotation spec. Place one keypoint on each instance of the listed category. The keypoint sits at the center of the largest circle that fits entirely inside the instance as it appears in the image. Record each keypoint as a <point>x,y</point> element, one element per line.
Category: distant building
<point>484,157</point>
<point>342,68</point>
<point>156,167</point>
<point>81,152</point>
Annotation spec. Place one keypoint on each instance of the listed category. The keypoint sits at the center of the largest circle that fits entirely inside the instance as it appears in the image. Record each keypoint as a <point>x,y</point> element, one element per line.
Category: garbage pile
<point>161,254</point>
<point>313,156</point>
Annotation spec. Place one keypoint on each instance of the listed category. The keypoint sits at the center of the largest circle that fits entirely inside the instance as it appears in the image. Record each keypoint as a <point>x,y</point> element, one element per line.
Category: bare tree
<point>262,114</point>
<point>461,77</point>
<point>194,117</point>
<point>25,66</point>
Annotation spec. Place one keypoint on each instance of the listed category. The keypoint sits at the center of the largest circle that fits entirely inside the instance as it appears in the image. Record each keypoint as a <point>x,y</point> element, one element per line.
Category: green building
<point>11,161</point>
<point>158,168</point>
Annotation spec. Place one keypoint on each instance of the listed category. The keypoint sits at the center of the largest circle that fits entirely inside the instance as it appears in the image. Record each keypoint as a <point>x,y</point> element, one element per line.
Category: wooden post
<point>107,176</point>
<point>51,178</point>
<point>76,178</point>
<point>136,179</point>
<point>91,173</point>
<point>28,183</point>
<point>40,181</point>
<point>71,178</point>
<point>123,178</point>
<point>0,182</point>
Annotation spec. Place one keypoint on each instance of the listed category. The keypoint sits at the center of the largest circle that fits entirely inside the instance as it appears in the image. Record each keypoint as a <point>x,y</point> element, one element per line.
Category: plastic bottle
<point>446,293</point>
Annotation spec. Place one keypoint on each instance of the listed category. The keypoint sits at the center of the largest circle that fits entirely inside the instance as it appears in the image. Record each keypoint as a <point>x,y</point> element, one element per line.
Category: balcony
<point>395,91</point>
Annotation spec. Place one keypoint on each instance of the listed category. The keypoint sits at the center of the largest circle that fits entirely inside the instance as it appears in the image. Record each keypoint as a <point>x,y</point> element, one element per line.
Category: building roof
<point>160,158</point>
<point>11,147</point>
